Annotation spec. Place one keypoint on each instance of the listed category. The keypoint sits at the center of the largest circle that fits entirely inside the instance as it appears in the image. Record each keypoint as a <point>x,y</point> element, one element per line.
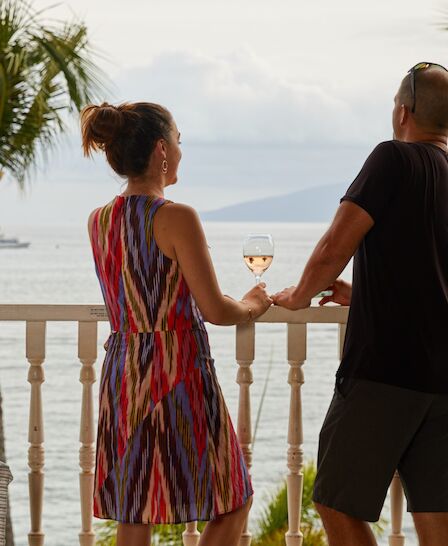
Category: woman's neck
<point>144,187</point>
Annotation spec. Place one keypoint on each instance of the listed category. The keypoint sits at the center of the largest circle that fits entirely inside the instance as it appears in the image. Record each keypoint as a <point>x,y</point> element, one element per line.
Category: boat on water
<point>11,242</point>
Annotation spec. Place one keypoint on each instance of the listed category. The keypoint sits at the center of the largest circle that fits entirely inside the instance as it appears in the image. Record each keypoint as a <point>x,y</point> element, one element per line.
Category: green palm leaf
<point>45,72</point>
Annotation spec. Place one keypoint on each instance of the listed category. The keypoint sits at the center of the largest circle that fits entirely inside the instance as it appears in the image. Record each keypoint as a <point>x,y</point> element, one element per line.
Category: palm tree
<point>46,71</point>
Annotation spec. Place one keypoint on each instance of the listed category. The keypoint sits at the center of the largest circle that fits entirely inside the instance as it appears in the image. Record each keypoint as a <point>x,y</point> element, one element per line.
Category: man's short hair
<point>431,90</point>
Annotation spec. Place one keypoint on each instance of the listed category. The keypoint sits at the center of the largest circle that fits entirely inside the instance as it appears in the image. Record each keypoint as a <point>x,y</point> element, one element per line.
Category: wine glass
<point>258,253</point>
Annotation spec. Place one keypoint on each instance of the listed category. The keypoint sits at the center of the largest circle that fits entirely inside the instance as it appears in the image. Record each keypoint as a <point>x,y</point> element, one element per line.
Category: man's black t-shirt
<point>397,331</point>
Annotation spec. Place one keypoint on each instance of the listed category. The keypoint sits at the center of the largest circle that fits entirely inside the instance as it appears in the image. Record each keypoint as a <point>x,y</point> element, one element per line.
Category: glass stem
<point>257,279</point>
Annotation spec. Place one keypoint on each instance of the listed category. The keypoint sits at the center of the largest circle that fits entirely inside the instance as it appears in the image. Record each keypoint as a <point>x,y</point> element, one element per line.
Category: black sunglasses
<point>412,71</point>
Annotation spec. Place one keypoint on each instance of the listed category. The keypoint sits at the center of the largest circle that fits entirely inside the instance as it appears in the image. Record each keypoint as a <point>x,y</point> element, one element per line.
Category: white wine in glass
<point>258,253</point>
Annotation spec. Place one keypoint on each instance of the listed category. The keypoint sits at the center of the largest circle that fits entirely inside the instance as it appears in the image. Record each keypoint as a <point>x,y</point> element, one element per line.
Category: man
<point>390,407</point>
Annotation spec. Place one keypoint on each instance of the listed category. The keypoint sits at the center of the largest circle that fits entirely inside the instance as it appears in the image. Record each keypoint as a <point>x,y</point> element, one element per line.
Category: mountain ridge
<point>317,204</point>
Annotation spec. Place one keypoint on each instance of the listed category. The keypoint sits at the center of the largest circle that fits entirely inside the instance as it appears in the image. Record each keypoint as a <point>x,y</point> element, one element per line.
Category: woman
<point>166,448</point>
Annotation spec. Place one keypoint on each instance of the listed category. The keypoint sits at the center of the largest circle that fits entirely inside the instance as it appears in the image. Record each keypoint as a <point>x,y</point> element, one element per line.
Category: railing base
<point>36,539</point>
<point>293,539</point>
<point>87,539</point>
<point>397,540</point>
<point>245,539</point>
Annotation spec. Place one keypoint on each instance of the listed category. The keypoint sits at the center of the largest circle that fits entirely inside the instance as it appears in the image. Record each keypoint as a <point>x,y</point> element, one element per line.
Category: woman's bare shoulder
<point>179,213</point>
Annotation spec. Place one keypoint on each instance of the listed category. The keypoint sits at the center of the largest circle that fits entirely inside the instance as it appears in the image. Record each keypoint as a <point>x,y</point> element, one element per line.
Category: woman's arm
<point>179,234</point>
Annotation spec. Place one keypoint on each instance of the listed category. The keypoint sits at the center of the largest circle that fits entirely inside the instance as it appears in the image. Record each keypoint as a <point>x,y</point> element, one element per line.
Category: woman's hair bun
<point>127,133</point>
<point>100,126</point>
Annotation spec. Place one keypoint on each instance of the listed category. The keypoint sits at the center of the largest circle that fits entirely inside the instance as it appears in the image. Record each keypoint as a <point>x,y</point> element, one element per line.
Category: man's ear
<point>404,115</point>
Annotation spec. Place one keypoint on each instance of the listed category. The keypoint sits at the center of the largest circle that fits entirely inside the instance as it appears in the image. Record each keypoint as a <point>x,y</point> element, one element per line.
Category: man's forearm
<point>332,253</point>
<point>322,269</point>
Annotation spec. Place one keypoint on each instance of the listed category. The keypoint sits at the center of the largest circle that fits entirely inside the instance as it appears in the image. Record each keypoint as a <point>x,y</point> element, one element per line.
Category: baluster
<point>87,354</point>
<point>396,537</point>
<point>245,352</point>
<point>296,359</point>
<point>191,535</point>
<point>35,354</point>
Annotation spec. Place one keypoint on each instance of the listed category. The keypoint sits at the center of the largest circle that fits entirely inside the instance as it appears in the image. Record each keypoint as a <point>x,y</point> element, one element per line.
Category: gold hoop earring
<point>164,166</point>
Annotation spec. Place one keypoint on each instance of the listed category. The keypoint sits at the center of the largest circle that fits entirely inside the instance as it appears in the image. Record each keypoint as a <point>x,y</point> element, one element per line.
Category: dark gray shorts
<point>371,430</point>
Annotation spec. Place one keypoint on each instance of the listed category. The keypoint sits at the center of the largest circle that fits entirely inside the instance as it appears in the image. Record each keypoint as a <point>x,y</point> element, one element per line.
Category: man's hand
<point>289,299</point>
<point>342,293</point>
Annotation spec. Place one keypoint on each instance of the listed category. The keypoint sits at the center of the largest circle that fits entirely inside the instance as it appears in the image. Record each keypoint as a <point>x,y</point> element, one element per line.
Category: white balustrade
<point>36,317</point>
<point>396,537</point>
<point>296,358</point>
<point>191,535</point>
<point>245,354</point>
<point>35,354</point>
<point>87,354</point>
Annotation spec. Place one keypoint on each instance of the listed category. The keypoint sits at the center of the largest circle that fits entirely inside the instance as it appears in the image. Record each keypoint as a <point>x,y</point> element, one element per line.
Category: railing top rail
<point>97,312</point>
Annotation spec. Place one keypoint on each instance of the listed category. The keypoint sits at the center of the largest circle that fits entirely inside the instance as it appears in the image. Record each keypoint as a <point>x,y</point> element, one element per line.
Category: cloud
<point>247,133</point>
<point>237,99</point>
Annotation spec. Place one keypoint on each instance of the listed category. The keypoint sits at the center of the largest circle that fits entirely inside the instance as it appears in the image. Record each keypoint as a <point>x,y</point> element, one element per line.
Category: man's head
<point>424,90</point>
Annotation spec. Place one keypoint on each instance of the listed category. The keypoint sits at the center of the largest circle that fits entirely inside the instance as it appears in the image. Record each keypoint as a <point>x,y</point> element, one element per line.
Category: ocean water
<point>58,268</point>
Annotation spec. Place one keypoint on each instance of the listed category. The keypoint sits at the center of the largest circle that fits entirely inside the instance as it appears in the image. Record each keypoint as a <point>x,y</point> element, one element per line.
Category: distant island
<point>309,205</point>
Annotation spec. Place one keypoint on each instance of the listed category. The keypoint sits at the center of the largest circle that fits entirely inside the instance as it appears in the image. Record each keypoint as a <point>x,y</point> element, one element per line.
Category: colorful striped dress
<point>166,448</point>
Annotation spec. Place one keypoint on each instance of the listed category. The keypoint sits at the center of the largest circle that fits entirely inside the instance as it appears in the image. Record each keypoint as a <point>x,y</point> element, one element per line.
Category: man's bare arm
<point>332,253</point>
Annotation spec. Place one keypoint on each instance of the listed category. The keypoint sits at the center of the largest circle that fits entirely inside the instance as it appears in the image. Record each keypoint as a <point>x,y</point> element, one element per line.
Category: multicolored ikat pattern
<point>166,448</point>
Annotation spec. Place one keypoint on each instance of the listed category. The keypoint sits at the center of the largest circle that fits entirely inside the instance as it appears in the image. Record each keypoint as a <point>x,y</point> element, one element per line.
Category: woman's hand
<point>257,299</point>
<point>342,293</point>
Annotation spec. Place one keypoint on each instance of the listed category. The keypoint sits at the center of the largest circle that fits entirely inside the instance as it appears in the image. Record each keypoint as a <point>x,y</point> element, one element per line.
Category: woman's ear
<point>161,148</point>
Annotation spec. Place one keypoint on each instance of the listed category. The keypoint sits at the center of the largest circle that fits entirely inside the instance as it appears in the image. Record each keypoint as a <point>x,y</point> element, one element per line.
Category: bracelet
<point>250,317</point>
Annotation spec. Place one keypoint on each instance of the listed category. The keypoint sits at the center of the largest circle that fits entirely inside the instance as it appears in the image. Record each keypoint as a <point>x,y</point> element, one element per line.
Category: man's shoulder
<point>393,152</point>
<point>393,147</point>
<point>399,147</point>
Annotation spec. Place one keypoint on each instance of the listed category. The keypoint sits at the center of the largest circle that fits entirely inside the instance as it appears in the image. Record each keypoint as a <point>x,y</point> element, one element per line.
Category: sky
<point>270,97</point>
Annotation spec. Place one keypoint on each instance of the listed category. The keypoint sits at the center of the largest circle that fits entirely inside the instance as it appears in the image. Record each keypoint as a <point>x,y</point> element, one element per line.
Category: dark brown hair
<point>127,133</point>
<point>431,111</point>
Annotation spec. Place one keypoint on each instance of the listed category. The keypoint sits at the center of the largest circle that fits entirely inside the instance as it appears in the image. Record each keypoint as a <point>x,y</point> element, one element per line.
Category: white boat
<point>11,242</point>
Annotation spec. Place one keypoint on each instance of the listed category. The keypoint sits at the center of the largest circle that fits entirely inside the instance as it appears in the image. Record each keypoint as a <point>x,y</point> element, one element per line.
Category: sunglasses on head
<point>412,71</point>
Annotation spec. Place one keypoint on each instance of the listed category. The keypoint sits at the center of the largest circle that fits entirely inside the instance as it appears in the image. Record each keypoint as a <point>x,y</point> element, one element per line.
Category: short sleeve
<point>379,180</point>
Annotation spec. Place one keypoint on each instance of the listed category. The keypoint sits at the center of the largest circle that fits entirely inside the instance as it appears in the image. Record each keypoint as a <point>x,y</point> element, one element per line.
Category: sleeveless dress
<point>166,449</point>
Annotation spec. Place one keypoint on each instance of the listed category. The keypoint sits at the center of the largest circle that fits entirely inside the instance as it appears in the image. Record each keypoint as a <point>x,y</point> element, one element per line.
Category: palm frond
<point>45,71</point>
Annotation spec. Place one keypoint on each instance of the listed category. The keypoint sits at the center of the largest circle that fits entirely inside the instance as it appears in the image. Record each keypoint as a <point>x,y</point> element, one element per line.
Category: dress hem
<point>177,522</point>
